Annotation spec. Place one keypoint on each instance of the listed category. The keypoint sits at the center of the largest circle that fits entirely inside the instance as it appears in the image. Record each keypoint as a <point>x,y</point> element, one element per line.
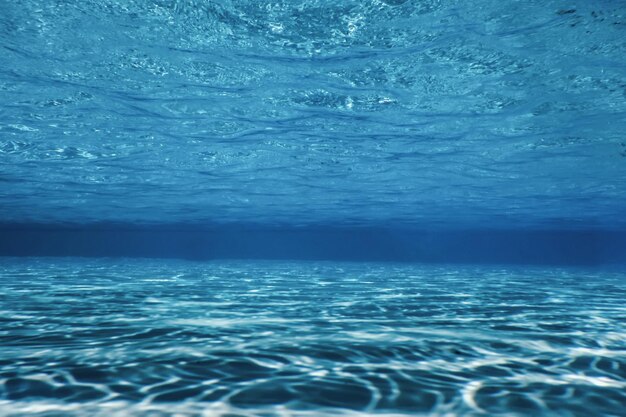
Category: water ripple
<point>148,338</point>
<point>493,108</point>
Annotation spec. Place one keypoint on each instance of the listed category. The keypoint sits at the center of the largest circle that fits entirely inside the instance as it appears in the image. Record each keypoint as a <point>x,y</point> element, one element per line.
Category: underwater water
<point>314,111</point>
<point>122,337</point>
<point>186,186</point>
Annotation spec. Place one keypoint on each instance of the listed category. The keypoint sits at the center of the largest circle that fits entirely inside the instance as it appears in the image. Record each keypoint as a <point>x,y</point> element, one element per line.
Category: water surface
<point>315,111</point>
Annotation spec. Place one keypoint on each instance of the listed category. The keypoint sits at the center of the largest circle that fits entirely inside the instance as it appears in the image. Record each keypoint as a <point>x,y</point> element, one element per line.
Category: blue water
<point>314,111</point>
<point>123,337</point>
<point>237,208</point>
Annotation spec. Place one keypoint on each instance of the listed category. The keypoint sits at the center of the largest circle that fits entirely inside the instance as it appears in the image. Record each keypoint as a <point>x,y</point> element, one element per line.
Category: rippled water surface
<point>313,111</point>
<point>164,338</point>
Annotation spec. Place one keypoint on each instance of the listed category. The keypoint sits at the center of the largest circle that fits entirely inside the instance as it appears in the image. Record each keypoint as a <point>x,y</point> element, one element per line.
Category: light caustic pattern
<point>313,111</point>
<point>162,338</point>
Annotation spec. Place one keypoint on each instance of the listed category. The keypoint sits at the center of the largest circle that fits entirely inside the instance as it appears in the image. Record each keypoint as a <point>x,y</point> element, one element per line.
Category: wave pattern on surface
<point>320,111</point>
<point>157,338</point>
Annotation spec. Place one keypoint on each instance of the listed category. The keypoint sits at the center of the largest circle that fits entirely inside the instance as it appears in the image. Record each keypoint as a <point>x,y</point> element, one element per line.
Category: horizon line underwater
<point>312,208</point>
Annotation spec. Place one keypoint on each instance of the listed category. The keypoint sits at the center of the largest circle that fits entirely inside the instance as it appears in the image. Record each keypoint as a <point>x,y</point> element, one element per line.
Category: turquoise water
<point>146,145</point>
<point>308,112</point>
<point>123,337</point>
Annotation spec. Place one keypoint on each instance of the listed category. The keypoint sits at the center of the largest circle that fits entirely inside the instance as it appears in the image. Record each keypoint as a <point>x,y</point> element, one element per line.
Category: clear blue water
<point>482,132</point>
<point>123,337</point>
<point>313,111</point>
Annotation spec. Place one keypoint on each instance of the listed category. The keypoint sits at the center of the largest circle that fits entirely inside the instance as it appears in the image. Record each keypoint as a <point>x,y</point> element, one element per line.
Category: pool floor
<point>84,337</point>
